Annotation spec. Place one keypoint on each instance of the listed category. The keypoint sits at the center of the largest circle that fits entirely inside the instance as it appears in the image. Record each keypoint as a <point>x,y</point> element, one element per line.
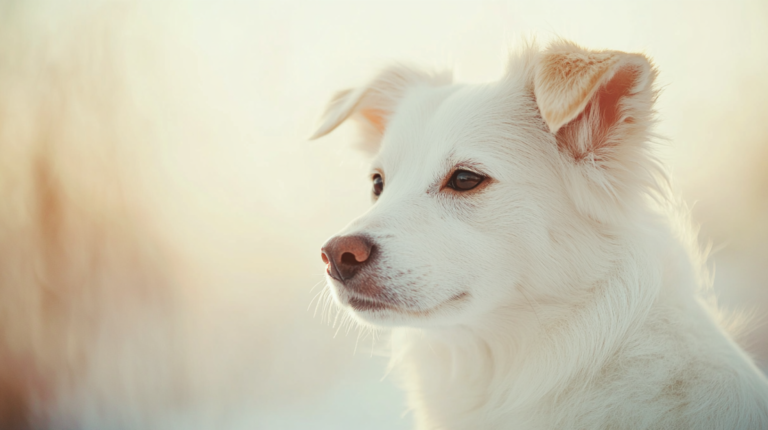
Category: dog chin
<point>380,317</point>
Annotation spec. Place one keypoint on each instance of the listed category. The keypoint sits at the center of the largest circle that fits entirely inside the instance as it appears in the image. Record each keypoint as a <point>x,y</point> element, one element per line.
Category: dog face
<point>480,190</point>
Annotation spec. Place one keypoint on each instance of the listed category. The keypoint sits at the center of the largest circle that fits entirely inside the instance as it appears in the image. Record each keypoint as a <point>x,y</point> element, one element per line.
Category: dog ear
<point>373,104</point>
<point>599,106</point>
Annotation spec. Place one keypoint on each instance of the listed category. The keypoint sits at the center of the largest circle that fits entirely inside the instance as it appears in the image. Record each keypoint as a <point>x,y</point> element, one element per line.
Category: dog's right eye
<point>378,185</point>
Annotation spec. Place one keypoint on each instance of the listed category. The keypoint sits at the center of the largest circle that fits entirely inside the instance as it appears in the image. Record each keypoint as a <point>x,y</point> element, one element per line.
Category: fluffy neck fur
<point>634,336</point>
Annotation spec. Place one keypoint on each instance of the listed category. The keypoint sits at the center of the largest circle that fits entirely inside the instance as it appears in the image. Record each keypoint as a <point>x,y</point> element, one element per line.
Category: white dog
<point>525,244</point>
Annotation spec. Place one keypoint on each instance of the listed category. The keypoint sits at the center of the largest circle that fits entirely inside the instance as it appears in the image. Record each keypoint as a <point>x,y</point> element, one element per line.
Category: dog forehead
<point>435,126</point>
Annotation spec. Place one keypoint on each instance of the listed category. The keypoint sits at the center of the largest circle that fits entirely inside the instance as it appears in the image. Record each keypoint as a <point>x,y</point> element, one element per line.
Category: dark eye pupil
<point>464,180</point>
<point>378,184</point>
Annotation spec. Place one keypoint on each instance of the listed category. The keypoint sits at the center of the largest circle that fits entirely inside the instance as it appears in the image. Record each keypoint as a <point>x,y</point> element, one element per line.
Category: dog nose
<point>346,255</point>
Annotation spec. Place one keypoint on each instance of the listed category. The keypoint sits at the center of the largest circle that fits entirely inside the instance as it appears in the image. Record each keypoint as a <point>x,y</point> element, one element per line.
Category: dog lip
<point>365,304</point>
<point>457,297</point>
<point>368,304</point>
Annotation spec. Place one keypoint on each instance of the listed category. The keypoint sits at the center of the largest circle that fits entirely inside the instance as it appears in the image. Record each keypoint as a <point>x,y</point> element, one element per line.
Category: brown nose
<point>346,255</point>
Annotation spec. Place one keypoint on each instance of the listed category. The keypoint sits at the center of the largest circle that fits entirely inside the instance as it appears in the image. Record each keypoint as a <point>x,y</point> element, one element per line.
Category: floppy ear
<point>373,104</point>
<point>598,104</point>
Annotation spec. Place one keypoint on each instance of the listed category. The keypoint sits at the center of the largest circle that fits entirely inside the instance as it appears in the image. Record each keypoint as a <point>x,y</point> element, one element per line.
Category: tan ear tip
<point>553,124</point>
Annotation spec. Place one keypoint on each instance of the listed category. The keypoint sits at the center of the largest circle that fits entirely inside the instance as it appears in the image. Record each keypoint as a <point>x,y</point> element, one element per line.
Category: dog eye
<point>378,184</point>
<point>464,180</point>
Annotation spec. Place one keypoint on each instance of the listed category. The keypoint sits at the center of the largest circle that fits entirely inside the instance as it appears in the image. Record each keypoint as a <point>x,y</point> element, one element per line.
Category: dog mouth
<point>364,304</point>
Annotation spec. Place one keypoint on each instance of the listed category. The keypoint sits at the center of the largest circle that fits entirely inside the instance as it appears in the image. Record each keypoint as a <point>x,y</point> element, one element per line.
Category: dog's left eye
<point>464,180</point>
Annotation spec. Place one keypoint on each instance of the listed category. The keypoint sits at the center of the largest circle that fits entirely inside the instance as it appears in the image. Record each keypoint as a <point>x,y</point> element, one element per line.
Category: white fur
<point>569,292</point>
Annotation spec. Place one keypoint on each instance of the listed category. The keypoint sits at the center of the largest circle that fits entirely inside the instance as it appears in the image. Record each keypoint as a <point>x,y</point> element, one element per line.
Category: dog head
<point>490,196</point>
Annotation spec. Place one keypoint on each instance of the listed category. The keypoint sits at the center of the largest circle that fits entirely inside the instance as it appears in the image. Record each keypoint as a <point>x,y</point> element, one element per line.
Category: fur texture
<point>567,291</point>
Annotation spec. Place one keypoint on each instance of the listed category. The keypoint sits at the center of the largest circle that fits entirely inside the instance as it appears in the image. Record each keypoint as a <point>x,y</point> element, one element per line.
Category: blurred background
<point>162,209</point>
